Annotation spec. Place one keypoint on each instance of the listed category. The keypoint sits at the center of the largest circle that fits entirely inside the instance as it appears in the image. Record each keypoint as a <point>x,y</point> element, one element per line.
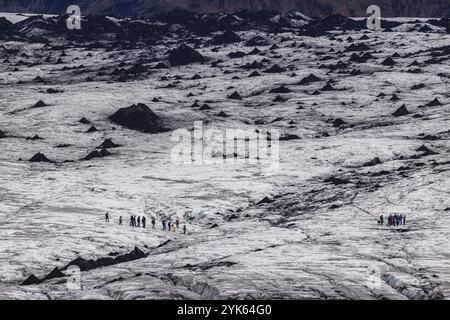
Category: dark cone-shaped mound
<point>434,103</point>
<point>56,273</point>
<point>39,104</point>
<point>137,253</point>
<point>327,87</point>
<point>279,98</point>
<point>84,121</point>
<point>138,117</point>
<point>92,129</point>
<point>275,69</point>
<point>281,89</point>
<point>235,96</point>
<point>254,74</point>
<point>31,280</point>
<point>402,111</point>
<point>184,55</point>
<point>226,37</point>
<point>39,157</point>
<point>309,79</point>
<point>205,107</point>
<point>108,143</point>
<point>388,62</point>
<point>426,151</point>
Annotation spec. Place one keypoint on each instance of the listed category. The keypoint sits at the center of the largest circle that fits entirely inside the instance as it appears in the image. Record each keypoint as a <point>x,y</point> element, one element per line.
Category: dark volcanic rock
<point>339,123</point>
<point>222,114</point>
<point>357,47</point>
<point>184,55</point>
<point>97,154</point>
<point>138,117</point>
<point>31,280</point>
<point>35,137</point>
<point>327,87</point>
<point>430,137</point>
<point>426,151</point>
<point>236,54</point>
<point>84,121</point>
<point>2,135</point>
<point>39,104</point>
<point>92,129</point>
<point>373,162</point>
<point>205,107</point>
<point>279,98</point>
<point>402,111</point>
<point>226,37</point>
<point>281,89</point>
<point>337,181</point>
<point>434,103</point>
<point>289,136</point>
<point>86,265</point>
<point>39,157</point>
<point>56,273</point>
<point>265,200</point>
<point>256,41</point>
<point>108,143</point>
<point>388,62</point>
<point>275,69</point>
<point>160,65</point>
<point>309,79</point>
<point>235,96</point>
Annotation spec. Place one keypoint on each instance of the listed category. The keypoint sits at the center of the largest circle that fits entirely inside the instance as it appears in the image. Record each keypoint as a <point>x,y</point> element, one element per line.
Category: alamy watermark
<point>374,20</point>
<point>230,146</point>
<point>73,22</point>
<point>74,278</point>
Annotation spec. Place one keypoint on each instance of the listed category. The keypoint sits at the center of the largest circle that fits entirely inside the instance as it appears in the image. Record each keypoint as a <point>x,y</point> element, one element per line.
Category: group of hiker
<point>135,221</point>
<point>141,221</point>
<point>394,220</point>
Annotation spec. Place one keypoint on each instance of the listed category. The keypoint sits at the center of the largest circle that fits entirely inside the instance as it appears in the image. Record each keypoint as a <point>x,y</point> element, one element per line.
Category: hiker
<point>390,220</point>
<point>164,224</point>
<point>143,222</point>
<point>169,225</point>
<point>177,222</point>
<point>404,219</point>
<point>184,229</point>
<point>132,222</point>
<point>107,217</point>
<point>400,219</point>
<point>153,222</point>
<point>394,222</point>
<point>120,220</point>
<point>139,221</point>
<point>381,221</point>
